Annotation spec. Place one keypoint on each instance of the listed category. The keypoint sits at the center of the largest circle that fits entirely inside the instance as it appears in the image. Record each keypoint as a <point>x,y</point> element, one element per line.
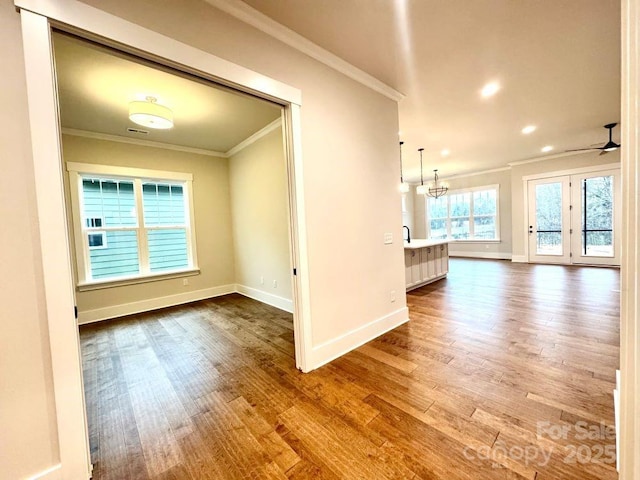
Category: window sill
<point>120,282</point>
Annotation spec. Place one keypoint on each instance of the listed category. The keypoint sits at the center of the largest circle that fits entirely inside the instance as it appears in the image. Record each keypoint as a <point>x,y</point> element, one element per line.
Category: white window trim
<point>138,175</point>
<point>471,190</point>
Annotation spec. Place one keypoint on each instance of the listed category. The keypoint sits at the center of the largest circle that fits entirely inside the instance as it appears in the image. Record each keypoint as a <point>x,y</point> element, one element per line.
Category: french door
<point>575,219</point>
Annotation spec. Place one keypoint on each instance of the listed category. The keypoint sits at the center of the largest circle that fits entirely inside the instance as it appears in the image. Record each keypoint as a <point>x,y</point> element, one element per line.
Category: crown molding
<point>137,141</point>
<point>251,16</point>
<point>548,157</point>
<point>254,138</point>
<point>178,148</point>
<point>473,174</point>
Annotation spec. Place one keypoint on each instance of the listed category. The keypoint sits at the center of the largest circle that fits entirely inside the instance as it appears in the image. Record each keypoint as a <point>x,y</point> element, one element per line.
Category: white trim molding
<point>473,174</point>
<point>64,343</point>
<point>572,171</point>
<point>147,305</point>
<point>630,271</point>
<point>266,297</point>
<point>549,157</point>
<point>489,255</point>
<point>115,311</point>
<point>254,138</point>
<point>258,20</point>
<point>328,351</point>
<point>91,22</point>
<point>176,148</point>
<point>520,258</point>
<point>140,141</point>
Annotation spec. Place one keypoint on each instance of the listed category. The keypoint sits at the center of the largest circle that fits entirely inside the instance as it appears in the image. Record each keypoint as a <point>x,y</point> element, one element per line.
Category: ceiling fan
<point>610,146</point>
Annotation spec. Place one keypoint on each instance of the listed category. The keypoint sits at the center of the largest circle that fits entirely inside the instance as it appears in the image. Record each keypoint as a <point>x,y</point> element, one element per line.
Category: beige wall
<point>260,219</point>
<point>212,216</point>
<point>519,216</point>
<point>500,249</point>
<point>28,434</point>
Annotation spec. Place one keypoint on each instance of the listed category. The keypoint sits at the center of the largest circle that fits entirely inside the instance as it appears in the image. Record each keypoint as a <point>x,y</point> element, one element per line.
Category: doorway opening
<point>47,153</point>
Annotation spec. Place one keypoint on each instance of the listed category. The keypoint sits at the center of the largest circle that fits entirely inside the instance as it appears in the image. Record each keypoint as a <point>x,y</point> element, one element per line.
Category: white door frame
<point>532,223</point>
<point>38,17</point>
<point>577,246</point>
<point>557,173</point>
<point>572,242</point>
<point>630,273</point>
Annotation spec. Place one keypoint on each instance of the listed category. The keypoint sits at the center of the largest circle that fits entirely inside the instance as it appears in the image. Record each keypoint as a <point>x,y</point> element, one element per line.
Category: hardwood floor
<point>505,371</point>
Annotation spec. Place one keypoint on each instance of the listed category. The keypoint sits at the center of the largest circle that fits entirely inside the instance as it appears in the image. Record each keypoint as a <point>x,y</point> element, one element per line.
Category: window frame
<point>448,218</point>
<point>76,172</point>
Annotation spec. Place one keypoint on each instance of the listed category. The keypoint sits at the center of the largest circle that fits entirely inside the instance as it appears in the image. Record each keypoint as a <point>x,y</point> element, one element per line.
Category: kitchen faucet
<point>408,234</point>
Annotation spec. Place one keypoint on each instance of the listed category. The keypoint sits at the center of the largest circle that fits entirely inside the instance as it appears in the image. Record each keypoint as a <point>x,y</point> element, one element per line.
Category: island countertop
<point>421,243</point>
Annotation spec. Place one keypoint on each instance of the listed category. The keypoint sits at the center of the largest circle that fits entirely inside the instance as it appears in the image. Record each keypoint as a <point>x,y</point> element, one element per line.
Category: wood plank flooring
<point>505,371</point>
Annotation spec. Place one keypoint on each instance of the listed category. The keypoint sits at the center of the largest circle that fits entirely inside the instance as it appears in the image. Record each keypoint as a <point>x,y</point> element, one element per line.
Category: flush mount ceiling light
<point>547,148</point>
<point>490,89</point>
<point>445,152</point>
<point>404,187</point>
<point>529,129</point>
<point>150,114</point>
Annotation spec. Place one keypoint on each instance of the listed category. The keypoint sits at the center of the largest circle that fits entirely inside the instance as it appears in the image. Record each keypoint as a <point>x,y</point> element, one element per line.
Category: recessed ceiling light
<point>490,89</point>
<point>445,152</point>
<point>529,129</point>
<point>547,148</point>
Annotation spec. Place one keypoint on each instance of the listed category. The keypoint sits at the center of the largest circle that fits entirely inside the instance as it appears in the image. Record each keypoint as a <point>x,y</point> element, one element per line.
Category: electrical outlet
<point>185,281</point>
<point>392,296</point>
<point>388,238</point>
<point>275,284</point>
<point>262,280</point>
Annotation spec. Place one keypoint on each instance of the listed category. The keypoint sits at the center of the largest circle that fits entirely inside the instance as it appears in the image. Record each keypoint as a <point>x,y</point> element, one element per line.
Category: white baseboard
<point>519,259</point>
<point>51,473</point>
<point>114,311</point>
<point>616,415</point>
<point>264,297</point>
<point>328,351</point>
<point>491,255</point>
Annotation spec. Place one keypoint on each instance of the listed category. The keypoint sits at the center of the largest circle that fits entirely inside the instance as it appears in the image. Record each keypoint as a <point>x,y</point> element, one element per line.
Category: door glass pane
<point>597,216</point>
<point>549,219</point>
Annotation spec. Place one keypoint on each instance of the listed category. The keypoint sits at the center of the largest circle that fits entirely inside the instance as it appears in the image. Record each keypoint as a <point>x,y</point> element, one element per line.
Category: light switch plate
<point>388,238</point>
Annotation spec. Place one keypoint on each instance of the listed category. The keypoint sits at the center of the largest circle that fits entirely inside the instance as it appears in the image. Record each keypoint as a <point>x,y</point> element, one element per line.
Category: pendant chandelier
<point>435,190</point>
<point>404,187</point>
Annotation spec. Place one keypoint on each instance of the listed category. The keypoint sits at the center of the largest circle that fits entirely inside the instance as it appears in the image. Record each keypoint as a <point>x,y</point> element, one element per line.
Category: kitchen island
<point>425,261</point>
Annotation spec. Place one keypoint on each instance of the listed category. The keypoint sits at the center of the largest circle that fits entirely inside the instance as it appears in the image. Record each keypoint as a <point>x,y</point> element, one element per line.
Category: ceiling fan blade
<point>583,149</point>
<point>603,152</point>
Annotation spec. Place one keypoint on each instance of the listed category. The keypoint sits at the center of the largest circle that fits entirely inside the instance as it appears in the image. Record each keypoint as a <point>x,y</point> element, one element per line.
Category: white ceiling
<point>96,85</point>
<point>558,64</point>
